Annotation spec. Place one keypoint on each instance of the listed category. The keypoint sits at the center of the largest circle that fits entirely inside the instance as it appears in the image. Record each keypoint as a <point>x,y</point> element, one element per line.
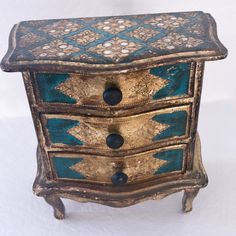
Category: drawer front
<point>147,165</point>
<point>116,91</point>
<point>125,133</point>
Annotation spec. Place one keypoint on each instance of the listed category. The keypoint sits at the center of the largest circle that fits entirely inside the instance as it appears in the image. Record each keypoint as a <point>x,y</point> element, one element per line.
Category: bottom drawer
<point>118,170</point>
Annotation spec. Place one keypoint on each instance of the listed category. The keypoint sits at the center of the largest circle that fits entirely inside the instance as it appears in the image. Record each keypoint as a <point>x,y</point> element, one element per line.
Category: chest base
<point>129,195</point>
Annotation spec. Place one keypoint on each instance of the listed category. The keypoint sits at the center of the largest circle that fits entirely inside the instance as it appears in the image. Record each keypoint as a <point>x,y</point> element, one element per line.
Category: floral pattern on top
<point>111,40</point>
<point>114,25</point>
<point>143,33</point>
<point>174,40</point>
<point>116,48</point>
<point>57,47</point>
<point>61,27</point>
<point>28,39</point>
<point>167,21</point>
<point>86,37</point>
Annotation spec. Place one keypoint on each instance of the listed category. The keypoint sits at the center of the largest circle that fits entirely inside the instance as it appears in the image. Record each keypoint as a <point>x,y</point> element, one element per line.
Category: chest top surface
<point>108,43</point>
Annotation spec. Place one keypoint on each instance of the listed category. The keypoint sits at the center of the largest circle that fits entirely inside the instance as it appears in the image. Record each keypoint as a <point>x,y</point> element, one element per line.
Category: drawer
<point>115,134</point>
<point>124,90</point>
<point>119,170</point>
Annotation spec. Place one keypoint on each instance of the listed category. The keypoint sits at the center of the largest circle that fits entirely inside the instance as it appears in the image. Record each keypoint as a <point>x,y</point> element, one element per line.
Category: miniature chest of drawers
<point>115,104</point>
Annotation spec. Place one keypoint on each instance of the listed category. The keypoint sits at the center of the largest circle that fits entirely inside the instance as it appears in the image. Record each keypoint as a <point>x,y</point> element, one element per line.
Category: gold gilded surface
<point>137,167</point>
<point>114,25</point>
<point>136,87</point>
<point>116,48</point>
<point>56,46</point>
<point>137,131</point>
<point>46,55</point>
<point>102,169</point>
<point>196,178</point>
<point>167,21</point>
<point>177,40</point>
<point>56,56</point>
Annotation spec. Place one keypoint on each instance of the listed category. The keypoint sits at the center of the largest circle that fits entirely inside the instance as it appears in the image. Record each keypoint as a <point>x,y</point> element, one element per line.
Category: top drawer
<point>118,91</point>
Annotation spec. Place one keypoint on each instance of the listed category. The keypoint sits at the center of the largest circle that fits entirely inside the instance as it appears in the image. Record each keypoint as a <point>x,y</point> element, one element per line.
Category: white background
<point>214,212</point>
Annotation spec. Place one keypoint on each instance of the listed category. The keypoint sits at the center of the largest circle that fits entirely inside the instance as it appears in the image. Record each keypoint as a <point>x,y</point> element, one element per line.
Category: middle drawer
<point>121,133</point>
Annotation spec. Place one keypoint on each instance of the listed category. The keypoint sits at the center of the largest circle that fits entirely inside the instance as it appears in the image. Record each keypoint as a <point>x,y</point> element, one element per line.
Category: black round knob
<point>119,178</point>
<point>112,96</point>
<point>114,141</point>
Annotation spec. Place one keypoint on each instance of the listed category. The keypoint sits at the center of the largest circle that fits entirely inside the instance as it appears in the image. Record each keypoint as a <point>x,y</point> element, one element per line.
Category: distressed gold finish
<point>137,167</point>
<point>101,170</point>
<point>137,87</point>
<point>114,24</point>
<point>64,49</point>
<point>133,131</point>
<point>124,196</point>
<point>212,49</point>
<point>177,40</point>
<point>143,33</point>
<point>98,53</point>
<point>119,52</point>
<point>167,22</point>
<point>134,192</point>
<point>137,131</point>
<point>189,195</point>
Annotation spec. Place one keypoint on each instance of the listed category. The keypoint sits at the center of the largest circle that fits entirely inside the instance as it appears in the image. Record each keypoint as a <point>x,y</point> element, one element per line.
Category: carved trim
<point>130,194</point>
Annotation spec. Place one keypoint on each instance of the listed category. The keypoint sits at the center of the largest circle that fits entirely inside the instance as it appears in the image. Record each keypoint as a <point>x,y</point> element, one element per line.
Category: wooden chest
<point>115,104</point>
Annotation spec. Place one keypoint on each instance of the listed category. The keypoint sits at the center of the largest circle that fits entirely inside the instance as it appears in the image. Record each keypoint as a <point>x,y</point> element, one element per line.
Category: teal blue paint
<point>58,128</point>
<point>82,53</point>
<point>177,122</point>
<point>62,167</point>
<point>174,160</point>
<point>47,84</point>
<point>178,80</point>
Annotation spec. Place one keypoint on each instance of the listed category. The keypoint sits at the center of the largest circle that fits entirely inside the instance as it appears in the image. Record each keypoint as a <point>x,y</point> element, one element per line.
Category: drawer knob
<point>112,96</point>
<point>114,141</point>
<point>119,178</point>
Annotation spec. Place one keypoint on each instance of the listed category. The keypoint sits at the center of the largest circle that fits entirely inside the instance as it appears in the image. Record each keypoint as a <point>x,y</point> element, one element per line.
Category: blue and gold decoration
<point>115,103</point>
<point>174,161</point>
<point>139,167</point>
<point>47,83</point>
<point>63,168</point>
<point>135,131</point>
<point>170,81</point>
<point>58,131</point>
<point>176,124</point>
<point>177,77</point>
<point>106,40</point>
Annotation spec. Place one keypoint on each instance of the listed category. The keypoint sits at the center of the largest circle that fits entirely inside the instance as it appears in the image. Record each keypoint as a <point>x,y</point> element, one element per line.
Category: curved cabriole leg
<point>189,195</point>
<point>57,204</point>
